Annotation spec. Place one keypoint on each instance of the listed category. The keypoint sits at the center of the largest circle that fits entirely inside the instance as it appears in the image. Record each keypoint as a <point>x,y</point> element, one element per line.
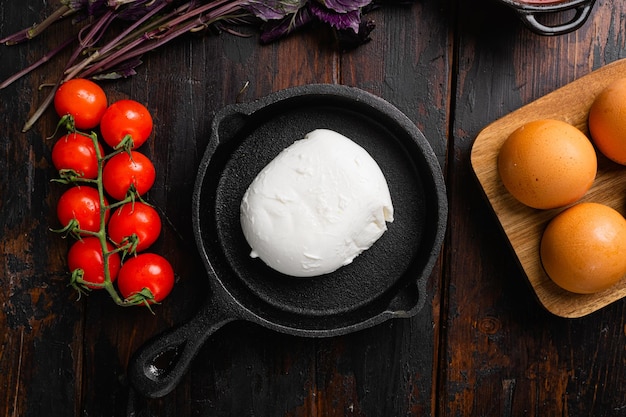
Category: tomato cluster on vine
<point>104,209</point>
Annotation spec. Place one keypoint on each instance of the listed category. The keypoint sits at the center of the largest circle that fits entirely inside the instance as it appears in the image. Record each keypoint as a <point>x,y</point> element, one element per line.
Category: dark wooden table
<point>482,345</point>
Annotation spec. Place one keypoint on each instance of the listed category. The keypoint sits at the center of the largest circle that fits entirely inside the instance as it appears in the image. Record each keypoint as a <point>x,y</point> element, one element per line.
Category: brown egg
<point>607,121</point>
<point>547,164</point>
<point>583,249</point>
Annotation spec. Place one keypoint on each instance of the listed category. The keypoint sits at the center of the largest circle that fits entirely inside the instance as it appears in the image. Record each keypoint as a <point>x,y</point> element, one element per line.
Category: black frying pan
<point>386,281</point>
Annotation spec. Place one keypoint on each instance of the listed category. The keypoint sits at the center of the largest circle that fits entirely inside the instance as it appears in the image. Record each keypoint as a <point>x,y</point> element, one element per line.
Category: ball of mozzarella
<point>314,208</point>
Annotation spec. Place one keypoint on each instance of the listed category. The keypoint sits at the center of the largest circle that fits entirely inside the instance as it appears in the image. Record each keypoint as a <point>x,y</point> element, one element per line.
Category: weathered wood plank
<point>41,354</point>
<point>504,354</point>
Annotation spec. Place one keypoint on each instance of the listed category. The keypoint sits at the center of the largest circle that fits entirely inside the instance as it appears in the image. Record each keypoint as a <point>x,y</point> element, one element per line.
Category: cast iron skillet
<point>529,10</point>
<point>386,281</point>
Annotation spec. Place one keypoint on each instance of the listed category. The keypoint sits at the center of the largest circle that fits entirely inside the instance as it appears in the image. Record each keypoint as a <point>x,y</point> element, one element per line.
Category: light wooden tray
<point>522,225</point>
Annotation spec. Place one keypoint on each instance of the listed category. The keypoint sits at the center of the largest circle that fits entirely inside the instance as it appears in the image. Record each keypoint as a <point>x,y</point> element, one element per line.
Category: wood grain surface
<point>482,346</point>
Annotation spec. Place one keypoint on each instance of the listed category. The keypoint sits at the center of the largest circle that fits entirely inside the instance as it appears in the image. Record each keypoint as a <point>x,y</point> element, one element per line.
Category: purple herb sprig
<point>133,27</point>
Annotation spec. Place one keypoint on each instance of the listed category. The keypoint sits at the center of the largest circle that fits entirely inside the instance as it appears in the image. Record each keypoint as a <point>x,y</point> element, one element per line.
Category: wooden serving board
<point>523,225</point>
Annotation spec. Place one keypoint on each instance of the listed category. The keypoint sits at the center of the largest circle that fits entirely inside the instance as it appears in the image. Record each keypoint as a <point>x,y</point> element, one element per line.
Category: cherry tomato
<point>84,100</point>
<point>137,219</point>
<point>86,254</point>
<point>123,170</point>
<point>146,270</point>
<point>76,152</point>
<point>126,118</point>
<point>83,204</point>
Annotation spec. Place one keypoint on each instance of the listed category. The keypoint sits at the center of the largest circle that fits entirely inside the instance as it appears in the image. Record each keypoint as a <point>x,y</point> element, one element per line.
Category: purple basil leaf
<point>274,9</point>
<point>344,6</point>
<point>136,9</point>
<point>124,70</point>
<point>87,8</point>
<point>77,4</point>
<point>97,7</point>
<point>348,20</point>
<point>348,39</point>
<point>276,29</point>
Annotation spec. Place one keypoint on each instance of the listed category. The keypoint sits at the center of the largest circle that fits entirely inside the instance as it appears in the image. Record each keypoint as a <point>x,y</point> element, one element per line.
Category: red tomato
<point>146,270</point>
<point>76,152</point>
<point>84,100</point>
<point>83,204</point>
<point>86,254</point>
<point>123,170</point>
<point>126,118</point>
<point>137,219</point>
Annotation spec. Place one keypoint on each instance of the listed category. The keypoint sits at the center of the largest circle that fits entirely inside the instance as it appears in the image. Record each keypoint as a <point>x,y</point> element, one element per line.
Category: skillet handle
<point>159,365</point>
<point>582,13</point>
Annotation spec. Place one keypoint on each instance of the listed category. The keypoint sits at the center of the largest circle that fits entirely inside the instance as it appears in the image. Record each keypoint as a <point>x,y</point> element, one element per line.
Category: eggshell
<point>607,121</point>
<point>547,164</point>
<point>583,249</point>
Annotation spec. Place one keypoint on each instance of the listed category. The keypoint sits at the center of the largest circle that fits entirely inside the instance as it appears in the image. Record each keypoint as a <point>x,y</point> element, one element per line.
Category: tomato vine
<point>114,254</point>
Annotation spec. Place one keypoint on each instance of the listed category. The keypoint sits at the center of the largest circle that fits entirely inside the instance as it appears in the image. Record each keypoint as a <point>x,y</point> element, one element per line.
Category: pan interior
<point>249,142</point>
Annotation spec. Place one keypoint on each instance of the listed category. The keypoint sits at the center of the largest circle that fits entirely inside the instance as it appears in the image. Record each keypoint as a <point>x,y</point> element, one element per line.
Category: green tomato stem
<point>102,236</point>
